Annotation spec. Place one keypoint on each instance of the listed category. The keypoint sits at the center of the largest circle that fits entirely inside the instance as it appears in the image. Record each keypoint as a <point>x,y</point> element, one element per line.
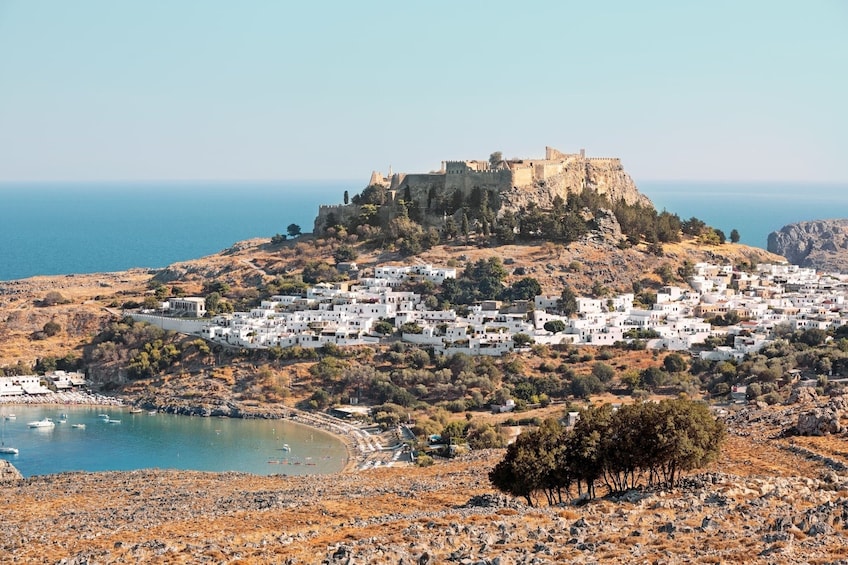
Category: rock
<point>820,244</point>
<point>8,472</point>
<point>819,422</point>
<point>803,395</point>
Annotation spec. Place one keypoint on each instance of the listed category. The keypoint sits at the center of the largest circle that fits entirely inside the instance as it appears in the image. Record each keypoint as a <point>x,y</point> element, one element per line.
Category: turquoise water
<point>164,441</point>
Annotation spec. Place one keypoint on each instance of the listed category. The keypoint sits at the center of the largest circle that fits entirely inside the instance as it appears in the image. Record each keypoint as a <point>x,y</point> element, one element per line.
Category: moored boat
<point>78,426</point>
<point>8,450</point>
<point>43,423</point>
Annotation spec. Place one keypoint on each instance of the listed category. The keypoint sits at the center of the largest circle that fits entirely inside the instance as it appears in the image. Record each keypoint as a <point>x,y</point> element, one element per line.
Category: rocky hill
<point>820,244</point>
<point>769,499</point>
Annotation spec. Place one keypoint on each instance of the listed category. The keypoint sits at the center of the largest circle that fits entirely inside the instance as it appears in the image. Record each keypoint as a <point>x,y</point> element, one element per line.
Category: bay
<point>164,441</point>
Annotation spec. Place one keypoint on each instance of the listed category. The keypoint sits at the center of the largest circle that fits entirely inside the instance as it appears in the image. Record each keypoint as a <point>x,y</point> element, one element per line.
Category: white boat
<point>78,426</point>
<point>10,416</point>
<point>3,448</point>
<point>286,447</point>
<point>104,416</point>
<point>45,423</point>
<point>152,413</point>
<point>136,411</point>
<point>110,421</point>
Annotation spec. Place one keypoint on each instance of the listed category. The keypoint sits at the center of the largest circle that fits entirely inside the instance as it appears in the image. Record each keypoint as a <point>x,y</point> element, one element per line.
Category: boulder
<point>8,472</point>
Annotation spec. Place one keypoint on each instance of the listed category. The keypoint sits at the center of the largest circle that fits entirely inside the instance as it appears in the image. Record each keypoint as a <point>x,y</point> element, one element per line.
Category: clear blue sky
<point>165,89</point>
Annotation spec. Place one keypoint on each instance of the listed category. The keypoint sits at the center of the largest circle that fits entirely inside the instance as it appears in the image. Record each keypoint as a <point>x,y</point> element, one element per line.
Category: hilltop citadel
<point>509,184</point>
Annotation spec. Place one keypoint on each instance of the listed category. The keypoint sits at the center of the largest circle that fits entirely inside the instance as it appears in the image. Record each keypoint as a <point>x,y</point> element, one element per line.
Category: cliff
<point>820,244</point>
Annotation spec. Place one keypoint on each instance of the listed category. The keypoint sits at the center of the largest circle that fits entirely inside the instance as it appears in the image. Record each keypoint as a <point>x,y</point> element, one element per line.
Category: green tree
<point>675,363</point>
<point>568,301</point>
<point>522,340</point>
<point>524,289</point>
<point>346,197</point>
<point>734,236</point>
<point>495,158</point>
<point>293,230</point>
<point>555,326</point>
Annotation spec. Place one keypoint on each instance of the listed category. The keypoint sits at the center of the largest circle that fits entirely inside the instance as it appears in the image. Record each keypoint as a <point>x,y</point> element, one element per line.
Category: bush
<point>51,328</point>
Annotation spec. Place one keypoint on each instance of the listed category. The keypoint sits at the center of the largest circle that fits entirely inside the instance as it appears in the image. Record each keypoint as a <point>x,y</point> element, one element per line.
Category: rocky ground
<point>773,497</point>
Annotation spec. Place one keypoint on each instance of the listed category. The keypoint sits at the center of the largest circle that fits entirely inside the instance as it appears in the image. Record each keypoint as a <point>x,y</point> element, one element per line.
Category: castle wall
<point>522,176</point>
<point>343,213</point>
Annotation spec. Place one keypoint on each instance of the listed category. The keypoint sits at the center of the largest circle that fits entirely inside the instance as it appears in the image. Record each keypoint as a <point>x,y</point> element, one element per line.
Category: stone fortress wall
<point>515,182</point>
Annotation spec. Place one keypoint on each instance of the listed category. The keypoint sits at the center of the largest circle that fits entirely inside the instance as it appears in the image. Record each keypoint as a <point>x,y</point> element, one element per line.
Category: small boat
<point>10,416</point>
<point>110,421</point>
<point>136,411</point>
<point>104,416</point>
<point>63,418</point>
<point>8,450</point>
<point>45,423</point>
<point>152,413</point>
<point>286,447</point>
<point>78,426</point>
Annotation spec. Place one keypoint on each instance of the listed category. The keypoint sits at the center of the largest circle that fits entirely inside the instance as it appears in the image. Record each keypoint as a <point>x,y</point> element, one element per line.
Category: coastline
<point>357,443</point>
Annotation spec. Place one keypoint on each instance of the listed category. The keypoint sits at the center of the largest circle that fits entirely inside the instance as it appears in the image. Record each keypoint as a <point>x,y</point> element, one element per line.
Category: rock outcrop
<point>8,472</point>
<point>819,244</point>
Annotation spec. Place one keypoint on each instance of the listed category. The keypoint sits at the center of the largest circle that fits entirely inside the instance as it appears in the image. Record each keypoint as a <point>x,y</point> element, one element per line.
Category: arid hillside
<point>767,500</point>
<point>90,301</point>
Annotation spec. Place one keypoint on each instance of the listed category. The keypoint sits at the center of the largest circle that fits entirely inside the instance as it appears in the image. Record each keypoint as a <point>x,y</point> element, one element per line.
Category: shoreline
<point>357,443</point>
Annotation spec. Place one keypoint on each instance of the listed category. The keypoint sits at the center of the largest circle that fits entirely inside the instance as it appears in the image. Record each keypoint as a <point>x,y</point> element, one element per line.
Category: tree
<point>567,301</point>
<point>293,230</point>
<point>734,236</point>
<point>344,253</point>
<point>555,326</point>
<point>495,158</point>
<point>674,363</point>
<point>464,227</point>
<point>346,197</point>
<point>51,328</point>
<point>524,289</point>
<point>522,340</point>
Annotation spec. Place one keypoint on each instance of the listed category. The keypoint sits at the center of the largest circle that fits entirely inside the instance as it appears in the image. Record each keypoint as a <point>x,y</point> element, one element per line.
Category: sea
<point>164,441</point>
<point>71,228</point>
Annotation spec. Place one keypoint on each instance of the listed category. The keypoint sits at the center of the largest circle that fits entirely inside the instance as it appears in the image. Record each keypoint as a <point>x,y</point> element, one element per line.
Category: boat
<point>44,423</point>
<point>10,416</point>
<point>286,447</point>
<point>78,426</point>
<point>4,449</point>
<point>103,416</point>
<point>111,421</point>
<point>152,413</point>
<point>136,411</point>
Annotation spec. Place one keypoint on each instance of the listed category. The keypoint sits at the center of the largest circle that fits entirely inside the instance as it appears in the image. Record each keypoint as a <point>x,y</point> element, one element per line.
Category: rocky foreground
<point>773,498</point>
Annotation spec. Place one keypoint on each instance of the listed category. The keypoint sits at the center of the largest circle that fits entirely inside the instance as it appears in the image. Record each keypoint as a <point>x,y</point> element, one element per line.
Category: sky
<point>158,89</point>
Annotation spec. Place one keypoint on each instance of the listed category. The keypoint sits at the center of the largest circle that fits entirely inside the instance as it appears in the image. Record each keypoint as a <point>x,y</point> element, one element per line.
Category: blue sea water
<point>65,228</point>
<point>164,441</point>
<point>754,209</point>
<point>69,228</point>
